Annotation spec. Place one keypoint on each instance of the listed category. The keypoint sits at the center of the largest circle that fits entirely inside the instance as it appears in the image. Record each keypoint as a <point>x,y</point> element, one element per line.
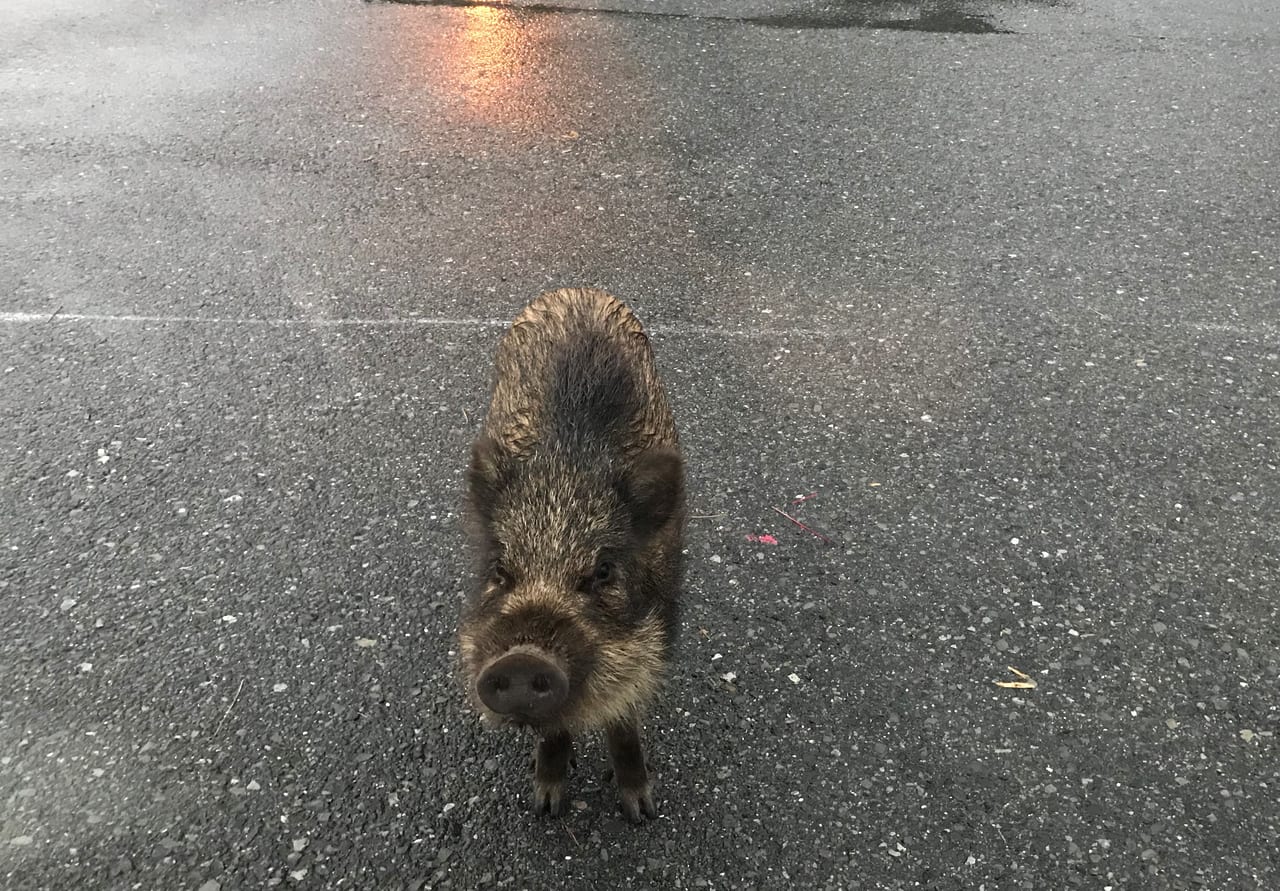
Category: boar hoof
<point>551,761</point>
<point>548,798</point>
<point>637,804</point>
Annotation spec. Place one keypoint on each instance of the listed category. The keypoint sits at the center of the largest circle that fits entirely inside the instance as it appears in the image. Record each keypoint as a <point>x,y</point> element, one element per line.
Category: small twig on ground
<point>572,836</point>
<point>55,314</point>
<point>234,699</point>
<point>466,417</point>
<point>708,516</point>
<point>803,526</point>
<point>803,498</point>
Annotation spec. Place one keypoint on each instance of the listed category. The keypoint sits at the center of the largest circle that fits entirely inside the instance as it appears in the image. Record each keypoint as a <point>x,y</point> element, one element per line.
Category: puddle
<point>932,16</point>
<point>944,21</point>
<point>940,21</point>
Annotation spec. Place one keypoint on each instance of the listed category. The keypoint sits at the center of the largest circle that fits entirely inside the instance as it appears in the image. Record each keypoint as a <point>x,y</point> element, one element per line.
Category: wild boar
<point>576,511</point>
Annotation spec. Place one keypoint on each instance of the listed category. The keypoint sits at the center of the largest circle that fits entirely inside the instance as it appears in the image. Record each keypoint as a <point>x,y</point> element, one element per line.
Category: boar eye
<point>499,578</point>
<point>602,575</point>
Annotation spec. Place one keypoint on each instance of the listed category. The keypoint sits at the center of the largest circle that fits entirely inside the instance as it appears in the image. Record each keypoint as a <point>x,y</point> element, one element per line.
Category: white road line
<point>31,318</point>
<point>1255,330</point>
<point>28,318</point>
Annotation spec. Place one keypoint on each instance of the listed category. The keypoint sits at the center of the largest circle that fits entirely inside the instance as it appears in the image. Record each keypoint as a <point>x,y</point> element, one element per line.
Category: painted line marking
<point>1258,329</point>
<point>31,318</point>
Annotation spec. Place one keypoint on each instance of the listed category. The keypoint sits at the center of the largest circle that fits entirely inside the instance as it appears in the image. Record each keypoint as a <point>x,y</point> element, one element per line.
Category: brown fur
<point>523,374</point>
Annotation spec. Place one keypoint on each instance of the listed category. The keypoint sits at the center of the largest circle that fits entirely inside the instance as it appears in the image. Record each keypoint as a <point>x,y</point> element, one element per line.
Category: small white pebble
<point>793,678</point>
<point>279,688</point>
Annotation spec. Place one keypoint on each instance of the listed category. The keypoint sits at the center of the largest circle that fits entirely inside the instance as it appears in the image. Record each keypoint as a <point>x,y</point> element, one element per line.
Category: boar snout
<point>523,684</point>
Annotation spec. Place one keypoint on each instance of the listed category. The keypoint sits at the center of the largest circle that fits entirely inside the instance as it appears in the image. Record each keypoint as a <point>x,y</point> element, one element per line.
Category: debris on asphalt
<point>366,642</point>
<point>800,499</point>
<point>1024,682</point>
<point>803,526</point>
<point>766,538</point>
<point>234,699</point>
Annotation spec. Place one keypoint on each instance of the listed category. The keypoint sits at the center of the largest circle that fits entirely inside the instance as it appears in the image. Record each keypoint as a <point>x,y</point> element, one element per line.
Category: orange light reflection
<point>487,67</point>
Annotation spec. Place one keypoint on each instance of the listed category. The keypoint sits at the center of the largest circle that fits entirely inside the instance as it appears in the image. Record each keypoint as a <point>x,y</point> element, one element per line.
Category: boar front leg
<point>626,753</point>
<point>550,766</point>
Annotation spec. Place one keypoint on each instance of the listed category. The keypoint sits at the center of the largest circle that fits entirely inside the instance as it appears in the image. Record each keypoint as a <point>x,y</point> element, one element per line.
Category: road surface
<point>995,285</point>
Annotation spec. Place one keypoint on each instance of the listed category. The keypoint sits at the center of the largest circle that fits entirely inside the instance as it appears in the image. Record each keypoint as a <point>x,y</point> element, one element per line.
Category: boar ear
<point>482,476</point>
<point>655,488</point>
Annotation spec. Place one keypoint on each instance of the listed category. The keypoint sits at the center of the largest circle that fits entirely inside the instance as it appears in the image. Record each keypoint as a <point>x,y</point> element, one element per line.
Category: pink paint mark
<point>763,539</point>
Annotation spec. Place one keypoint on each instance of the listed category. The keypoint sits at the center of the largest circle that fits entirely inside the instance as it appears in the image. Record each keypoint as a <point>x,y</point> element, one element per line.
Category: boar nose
<point>523,684</point>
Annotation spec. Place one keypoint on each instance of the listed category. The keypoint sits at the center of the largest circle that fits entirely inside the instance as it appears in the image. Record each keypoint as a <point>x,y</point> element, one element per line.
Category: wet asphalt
<point>986,296</point>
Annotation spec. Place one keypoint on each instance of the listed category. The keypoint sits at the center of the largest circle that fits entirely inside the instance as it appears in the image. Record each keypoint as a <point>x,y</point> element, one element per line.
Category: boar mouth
<point>523,722</point>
